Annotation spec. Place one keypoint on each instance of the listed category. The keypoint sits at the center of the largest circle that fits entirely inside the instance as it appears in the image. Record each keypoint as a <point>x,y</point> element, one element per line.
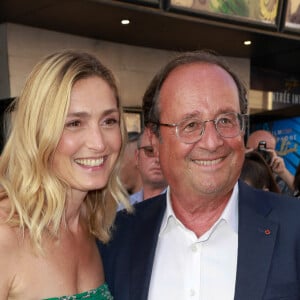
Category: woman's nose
<point>95,139</point>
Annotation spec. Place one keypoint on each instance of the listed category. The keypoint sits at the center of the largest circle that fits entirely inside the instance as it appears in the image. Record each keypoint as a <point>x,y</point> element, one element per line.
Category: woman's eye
<point>111,122</point>
<point>75,123</point>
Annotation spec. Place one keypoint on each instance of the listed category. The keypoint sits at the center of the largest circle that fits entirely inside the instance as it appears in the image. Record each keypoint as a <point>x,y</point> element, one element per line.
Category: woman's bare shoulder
<point>10,252</point>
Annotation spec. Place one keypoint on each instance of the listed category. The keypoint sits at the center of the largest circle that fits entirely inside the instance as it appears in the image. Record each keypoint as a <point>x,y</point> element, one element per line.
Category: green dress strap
<point>100,293</point>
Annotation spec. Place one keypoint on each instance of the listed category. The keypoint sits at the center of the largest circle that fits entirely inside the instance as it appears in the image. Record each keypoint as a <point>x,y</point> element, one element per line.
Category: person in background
<point>211,236</point>
<point>130,175</point>
<point>257,173</point>
<point>59,185</point>
<point>297,182</point>
<point>147,161</point>
<point>283,176</point>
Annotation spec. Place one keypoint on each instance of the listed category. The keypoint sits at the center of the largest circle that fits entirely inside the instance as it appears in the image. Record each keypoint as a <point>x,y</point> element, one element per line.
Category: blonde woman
<point>59,183</point>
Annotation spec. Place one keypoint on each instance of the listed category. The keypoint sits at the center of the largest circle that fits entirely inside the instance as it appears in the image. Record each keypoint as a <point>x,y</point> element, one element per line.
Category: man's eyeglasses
<point>148,150</point>
<point>190,130</point>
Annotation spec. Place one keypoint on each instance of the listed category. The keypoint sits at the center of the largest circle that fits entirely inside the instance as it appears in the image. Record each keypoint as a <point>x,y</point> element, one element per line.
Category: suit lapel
<point>145,233</point>
<point>257,236</point>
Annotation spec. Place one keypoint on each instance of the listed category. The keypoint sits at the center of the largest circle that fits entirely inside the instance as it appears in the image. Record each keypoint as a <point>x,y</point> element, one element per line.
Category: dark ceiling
<point>158,28</point>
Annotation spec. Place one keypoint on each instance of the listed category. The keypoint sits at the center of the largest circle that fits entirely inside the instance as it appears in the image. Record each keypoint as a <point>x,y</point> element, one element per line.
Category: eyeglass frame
<point>241,117</point>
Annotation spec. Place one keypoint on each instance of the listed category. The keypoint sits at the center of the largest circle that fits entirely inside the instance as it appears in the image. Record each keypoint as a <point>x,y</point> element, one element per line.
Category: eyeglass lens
<point>228,125</point>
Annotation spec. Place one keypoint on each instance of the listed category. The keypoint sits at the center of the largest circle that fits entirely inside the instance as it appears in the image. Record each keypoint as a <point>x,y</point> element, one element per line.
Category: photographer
<point>283,177</point>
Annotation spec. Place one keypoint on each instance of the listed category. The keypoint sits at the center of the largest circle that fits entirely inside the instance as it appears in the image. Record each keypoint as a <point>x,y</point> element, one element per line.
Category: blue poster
<point>287,132</point>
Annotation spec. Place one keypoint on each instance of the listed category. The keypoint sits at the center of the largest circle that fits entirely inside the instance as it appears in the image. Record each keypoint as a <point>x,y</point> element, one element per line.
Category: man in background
<point>130,175</point>
<point>147,162</point>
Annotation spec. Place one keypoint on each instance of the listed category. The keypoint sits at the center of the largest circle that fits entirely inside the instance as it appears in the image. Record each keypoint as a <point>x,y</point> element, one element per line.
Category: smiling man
<point>210,236</point>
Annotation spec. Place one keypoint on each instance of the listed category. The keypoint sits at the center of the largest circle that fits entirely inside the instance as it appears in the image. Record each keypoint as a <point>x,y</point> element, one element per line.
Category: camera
<point>262,149</point>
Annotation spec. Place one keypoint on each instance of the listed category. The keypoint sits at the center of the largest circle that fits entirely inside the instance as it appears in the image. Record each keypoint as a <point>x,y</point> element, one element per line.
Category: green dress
<point>100,293</point>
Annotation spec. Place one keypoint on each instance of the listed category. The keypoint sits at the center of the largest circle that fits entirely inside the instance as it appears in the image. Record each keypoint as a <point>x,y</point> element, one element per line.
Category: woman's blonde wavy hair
<point>37,196</point>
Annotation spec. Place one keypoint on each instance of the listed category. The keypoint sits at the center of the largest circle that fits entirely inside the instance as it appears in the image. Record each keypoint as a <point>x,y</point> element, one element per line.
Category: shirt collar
<point>229,214</point>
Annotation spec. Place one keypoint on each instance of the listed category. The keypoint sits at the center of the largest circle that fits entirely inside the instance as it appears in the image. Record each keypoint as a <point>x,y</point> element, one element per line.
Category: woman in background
<point>59,184</point>
<point>257,173</point>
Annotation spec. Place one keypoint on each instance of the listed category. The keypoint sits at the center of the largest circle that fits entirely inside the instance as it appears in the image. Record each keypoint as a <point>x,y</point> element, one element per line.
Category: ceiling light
<point>247,43</point>
<point>125,22</point>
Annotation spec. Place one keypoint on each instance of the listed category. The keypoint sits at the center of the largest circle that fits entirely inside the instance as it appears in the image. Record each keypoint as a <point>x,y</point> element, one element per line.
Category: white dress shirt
<point>186,267</point>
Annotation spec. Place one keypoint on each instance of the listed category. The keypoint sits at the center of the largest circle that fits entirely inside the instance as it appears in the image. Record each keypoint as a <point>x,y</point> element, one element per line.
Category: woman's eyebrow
<point>84,114</point>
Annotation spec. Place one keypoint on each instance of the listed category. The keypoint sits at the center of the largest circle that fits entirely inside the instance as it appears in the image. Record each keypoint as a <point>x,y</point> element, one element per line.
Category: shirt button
<point>194,248</point>
<point>192,292</point>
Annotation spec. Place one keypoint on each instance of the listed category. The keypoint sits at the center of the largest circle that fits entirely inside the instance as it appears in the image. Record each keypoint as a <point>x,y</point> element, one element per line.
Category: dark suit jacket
<point>268,248</point>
